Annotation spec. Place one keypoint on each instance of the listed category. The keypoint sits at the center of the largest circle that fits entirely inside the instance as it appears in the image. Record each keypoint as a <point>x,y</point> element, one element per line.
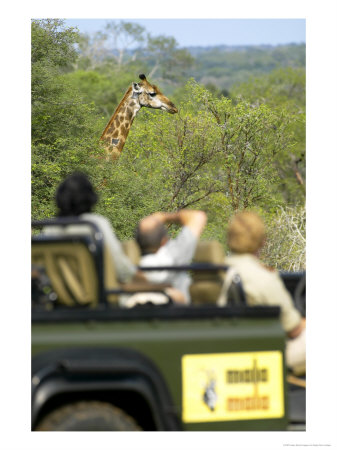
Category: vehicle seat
<point>232,292</point>
<point>132,251</point>
<point>206,285</point>
<point>70,267</point>
<point>72,262</point>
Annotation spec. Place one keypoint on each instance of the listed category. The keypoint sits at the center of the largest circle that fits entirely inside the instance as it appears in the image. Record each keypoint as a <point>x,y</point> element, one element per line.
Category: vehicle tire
<point>88,416</point>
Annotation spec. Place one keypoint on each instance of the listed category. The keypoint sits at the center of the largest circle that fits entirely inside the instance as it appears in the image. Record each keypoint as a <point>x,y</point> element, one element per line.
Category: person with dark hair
<point>159,250</point>
<point>75,197</point>
<point>262,285</point>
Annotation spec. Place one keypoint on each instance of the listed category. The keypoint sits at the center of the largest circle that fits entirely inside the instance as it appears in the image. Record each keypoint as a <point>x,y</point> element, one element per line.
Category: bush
<point>285,248</point>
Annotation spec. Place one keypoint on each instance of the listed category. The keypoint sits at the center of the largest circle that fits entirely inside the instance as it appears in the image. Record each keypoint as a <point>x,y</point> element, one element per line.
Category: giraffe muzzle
<point>171,109</point>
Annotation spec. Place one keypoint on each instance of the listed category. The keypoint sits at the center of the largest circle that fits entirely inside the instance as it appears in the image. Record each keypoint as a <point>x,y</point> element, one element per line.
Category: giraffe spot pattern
<point>129,113</point>
<point>123,117</point>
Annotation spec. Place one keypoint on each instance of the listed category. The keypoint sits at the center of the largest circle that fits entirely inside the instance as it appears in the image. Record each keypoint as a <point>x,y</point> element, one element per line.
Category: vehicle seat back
<point>232,292</point>
<point>72,264</point>
<point>206,285</point>
<point>132,251</point>
<point>71,269</point>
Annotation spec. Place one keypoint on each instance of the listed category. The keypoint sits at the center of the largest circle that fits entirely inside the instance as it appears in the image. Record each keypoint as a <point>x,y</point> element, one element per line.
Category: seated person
<point>262,285</point>
<point>158,250</point>
<point>76,197</point>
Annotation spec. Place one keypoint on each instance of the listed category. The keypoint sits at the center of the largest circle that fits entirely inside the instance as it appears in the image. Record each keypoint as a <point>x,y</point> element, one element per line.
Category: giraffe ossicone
<point>141,94</point>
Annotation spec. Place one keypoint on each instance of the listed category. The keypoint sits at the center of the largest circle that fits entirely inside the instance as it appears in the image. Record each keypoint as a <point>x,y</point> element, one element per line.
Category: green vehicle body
<point>135,360</point>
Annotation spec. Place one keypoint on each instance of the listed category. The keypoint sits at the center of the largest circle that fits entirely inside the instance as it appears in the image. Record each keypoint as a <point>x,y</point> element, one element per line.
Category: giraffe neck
<point>118,127</point>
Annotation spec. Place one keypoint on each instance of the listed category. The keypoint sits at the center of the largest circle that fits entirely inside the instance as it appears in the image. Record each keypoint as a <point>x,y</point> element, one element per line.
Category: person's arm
<point>176,295</point>
<point>139,277</point>
<point>125,269</point>
<point>277,294</point>
<point>298,329</point>
<point>193,219</point>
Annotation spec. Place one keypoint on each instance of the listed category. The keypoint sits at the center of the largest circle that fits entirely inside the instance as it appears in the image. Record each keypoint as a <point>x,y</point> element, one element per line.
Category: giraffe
<point>138,95</point>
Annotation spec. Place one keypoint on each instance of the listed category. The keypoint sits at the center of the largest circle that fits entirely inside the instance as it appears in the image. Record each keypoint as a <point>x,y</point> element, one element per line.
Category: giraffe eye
<point>152,94</point>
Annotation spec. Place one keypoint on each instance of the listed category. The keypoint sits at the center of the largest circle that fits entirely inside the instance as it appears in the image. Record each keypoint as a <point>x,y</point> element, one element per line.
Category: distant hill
<point>223,66</point>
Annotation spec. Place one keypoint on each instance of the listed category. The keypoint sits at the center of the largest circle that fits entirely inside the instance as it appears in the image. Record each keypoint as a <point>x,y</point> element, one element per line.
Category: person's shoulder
<point>92,217</point>
<point>268,277</point>
<point>185,235</point>
<point>250,264</point>
<point>183,243</point>
<point>242,259</point>
<point>96,218</point>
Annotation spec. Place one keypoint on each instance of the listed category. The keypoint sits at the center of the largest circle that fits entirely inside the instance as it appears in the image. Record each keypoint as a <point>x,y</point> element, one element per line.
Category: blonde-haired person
<point>263,286</point>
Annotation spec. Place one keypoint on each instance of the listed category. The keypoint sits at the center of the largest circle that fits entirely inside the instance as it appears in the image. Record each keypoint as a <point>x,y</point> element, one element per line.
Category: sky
<point>208,32</point>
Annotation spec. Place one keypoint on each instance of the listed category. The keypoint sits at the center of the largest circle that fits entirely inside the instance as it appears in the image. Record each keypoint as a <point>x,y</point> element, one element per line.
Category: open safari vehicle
<point>153,365</point>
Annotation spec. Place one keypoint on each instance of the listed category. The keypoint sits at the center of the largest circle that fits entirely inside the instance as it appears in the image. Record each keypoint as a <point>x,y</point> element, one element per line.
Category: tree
<point>166,58</point>
<point>112,49</point>
<point>52,52</point>
<point>245,142</point>
<point>284,89</point>
<point>126,46</point>
<point>92,51</point>
<point>124,36</point>
<point>52,44</point>
<point>285,247</point>
<point>213,149</point>
<point>105,89</point>
<point>64,128</point>
<point>227,66</point>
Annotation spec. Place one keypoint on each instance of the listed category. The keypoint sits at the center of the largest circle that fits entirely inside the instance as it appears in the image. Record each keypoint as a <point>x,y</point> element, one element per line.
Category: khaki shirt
<point>263,287</point>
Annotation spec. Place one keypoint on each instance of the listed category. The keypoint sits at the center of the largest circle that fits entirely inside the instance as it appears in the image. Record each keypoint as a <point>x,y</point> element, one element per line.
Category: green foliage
<point>105,90</point>
<point>284,89</point>
<point>226,66</point>
<point>125,47</point>
<point>215,154</point>
<point>285,86</point>
<point>168,61</point>
<point>64,129</point>
<point>286,239</point>
<point>219,153</point>
<point>52,44</point>
<point>123,35</point>
<point>95,87</point>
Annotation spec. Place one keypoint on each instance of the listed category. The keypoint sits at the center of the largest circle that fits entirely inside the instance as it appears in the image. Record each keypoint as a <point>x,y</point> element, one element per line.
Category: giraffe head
<point>150,96</point>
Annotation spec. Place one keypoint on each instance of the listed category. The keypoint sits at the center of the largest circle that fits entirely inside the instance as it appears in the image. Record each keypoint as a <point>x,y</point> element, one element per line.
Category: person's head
<point>75,195</point>
<point>150,235</point>
<point>246,233</point>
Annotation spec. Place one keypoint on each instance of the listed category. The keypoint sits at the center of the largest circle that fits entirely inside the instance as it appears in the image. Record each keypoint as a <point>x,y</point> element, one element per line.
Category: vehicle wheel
<point>88,416</point>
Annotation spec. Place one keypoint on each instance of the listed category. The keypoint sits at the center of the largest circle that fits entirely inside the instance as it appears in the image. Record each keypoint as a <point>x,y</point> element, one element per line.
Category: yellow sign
<point>232,386</point>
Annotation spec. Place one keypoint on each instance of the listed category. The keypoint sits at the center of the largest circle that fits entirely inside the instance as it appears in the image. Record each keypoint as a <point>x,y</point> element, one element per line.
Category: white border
<point>321,184</point>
